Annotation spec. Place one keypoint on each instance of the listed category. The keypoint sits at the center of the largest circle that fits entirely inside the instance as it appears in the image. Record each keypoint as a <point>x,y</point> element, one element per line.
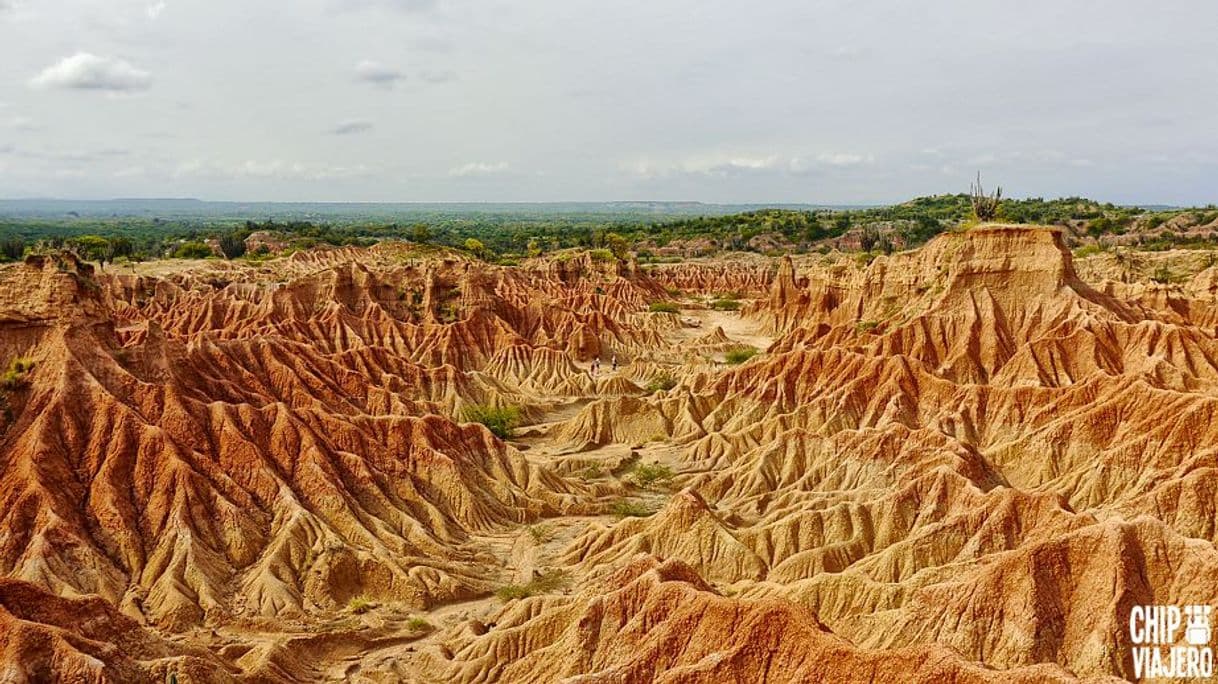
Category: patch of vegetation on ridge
<point>650,474</point>
<point>16,375</point>
<point>500,420</point>
<point>544,583</point>
<point>660,382</point>
<point>738,356</point>
<point>625,508</point>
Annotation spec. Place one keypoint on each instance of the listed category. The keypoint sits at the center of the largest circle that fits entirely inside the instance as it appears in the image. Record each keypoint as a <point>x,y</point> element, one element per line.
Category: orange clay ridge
<point>963,463</point>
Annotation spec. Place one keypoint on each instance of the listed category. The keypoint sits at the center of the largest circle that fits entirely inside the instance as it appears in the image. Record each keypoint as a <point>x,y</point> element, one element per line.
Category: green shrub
<point>232,245</point>
<point>543,584</point>
<point>646,475</point>
<point>601,255</point>
<point>725,305</point>
<point>500,420</point>
<point>418,624</point>
<point>16,375</point>
<point>866,326</point>
<point>1087,250</point>
<point>540,533</point>
<point>1163,275</point>
<point>664,307</point>
<point>625,508</point>
<point>738,356</point>
<point>661,382</point>
<point>359,604</point>
<point>192,250</point>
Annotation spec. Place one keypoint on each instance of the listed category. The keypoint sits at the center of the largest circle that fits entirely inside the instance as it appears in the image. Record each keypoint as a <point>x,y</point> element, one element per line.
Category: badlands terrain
<point>961,463</point>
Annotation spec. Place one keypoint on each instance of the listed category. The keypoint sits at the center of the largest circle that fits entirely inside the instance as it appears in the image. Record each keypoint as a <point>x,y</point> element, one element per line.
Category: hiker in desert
<point>596,366</point>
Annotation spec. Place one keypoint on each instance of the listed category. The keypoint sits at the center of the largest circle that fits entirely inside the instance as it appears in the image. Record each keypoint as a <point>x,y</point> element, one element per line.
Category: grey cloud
<point>479,169</point>
<point>371,71</point>
<point>824,102</point>
<point>351,126</point>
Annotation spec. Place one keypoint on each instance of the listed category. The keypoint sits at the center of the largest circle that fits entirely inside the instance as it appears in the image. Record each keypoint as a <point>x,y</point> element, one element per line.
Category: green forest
<point>507,233</point>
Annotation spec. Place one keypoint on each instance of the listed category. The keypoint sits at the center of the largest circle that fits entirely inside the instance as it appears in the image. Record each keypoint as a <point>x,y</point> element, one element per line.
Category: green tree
<point>12,248</point>
<point>232,245</point>
<point>475,246</point>
<point>869,238</point>
<point>618,245</point>
<point>120,246</point>
<point>420,233</point>
<point>192,250</point>
<point>533,248</point>
<point>92,248</point>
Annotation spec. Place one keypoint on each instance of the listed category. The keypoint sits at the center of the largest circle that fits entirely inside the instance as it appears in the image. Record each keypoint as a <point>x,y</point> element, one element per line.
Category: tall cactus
<point>985,207</point>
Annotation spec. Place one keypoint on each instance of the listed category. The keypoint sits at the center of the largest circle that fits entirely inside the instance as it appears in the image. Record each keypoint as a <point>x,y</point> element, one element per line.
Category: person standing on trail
<point>615,363</point>
<point>596,365</point>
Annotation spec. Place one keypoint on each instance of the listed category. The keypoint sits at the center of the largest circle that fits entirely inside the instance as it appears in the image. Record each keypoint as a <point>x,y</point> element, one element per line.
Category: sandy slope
<point>960,463</point>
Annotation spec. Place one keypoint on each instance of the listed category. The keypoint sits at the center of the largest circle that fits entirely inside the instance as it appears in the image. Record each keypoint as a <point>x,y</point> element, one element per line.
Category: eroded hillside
<point>963,463</point>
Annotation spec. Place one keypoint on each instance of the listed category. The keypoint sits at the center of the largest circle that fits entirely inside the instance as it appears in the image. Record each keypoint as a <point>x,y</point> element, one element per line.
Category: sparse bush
<point>540,533</point>
<point>738,356</point>
<point>1087,250</point>
<point>500,420</point>
<point>661,382</point>
<point>591,473</point>
<point>542,584</point>
<point>646,475</point>
<point>625,508</point>
<point>418,624</point>
<point>725,305</point>
<point>16,375</point>
<point>359,604</point>
<point>866,326</point>
<point>1163,275</point>
<point>664,307</point>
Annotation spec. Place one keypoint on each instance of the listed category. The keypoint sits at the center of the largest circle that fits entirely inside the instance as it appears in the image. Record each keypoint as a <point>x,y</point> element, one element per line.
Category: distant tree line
<point>507,235</point>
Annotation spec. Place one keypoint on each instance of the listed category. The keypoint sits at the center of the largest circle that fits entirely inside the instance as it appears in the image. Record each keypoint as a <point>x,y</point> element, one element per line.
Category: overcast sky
<point>845,101</point>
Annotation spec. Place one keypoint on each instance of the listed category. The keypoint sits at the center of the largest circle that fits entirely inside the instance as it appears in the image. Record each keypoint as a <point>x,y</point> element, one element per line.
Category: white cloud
<point>85,71</point>
<point>350,126</point>
<point>479,169</point>
<point>154,10</point>
<point>371,71</point>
